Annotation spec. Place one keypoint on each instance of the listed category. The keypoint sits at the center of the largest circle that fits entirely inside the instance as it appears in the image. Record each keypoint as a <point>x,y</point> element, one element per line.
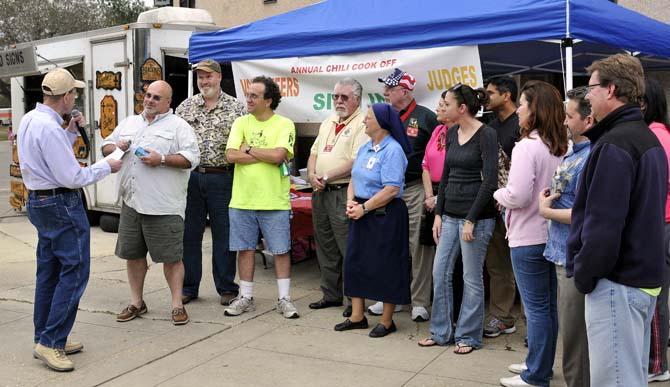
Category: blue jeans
<point>63,264</point>
<point>208,194</point>
<point>536,279</point>
<point>618,325</point>
<point>470,324</point>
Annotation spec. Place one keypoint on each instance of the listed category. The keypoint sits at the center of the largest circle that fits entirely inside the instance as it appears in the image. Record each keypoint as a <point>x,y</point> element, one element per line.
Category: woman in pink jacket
<point>535,157</point>
<point>655,109</point>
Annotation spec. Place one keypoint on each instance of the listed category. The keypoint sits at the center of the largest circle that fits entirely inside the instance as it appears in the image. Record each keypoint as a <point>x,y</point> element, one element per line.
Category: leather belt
<point>224,169</point>
<point>335,187</point>
<point>53,191</point>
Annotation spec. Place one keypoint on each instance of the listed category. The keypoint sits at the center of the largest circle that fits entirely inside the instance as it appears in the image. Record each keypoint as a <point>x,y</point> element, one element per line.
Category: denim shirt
<point>565,181</point>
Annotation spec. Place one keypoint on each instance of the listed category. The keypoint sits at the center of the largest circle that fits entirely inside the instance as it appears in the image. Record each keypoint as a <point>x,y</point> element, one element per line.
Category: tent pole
<point>567,43</point>
<point>190,81</point>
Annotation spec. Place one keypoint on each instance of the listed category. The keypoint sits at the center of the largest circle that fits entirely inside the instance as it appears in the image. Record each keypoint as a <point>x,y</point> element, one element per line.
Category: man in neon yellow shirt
<point>259,143</point>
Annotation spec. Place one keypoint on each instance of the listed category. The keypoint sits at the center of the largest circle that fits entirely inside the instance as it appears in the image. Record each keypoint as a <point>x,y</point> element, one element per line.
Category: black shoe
<point>186,299</point>
<point>380,330</point>
<point>347,312</point>
<point>322,304</point>
<point>348,324</point>
<point>227,297</point>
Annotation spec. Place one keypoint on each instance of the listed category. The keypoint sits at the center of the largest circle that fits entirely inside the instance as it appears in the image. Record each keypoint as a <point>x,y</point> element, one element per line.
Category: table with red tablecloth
<point>302,230</point>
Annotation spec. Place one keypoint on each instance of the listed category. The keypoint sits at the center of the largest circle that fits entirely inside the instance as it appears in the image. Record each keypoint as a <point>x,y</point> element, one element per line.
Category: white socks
<point>246,289</point>
<point>284,286</point>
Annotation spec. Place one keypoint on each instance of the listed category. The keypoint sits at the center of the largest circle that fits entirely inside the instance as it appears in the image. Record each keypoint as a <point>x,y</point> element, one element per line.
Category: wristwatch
<point>247,150</point>
<point>162,160</point>
<point>365,210</point>
<point>325,179</point>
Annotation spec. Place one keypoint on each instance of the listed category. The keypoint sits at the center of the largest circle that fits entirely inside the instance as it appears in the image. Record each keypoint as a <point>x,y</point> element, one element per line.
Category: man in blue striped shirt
<point>53,176</point>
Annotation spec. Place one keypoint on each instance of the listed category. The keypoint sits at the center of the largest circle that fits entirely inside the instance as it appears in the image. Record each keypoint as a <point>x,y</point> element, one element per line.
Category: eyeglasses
<point>252,96</point>
<point>589,87</point>
<point>153,97</point>
<point>343,97</point>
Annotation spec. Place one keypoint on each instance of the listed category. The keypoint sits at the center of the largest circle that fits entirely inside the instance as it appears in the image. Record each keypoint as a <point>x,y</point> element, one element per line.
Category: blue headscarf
<point>389,120</point>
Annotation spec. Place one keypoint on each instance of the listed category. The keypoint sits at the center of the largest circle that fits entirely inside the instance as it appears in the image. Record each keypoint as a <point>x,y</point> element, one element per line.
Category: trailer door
<point>110,84</point>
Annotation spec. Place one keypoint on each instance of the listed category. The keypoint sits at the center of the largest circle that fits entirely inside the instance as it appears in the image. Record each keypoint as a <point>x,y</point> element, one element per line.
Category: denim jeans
<point>63,264</point>
<point>618,324</point>
<point>470,324</point>
<point>536,279</point>
<point>208,194</point>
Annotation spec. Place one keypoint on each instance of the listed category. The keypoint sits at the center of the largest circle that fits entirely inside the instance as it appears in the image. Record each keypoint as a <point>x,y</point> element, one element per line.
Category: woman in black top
<point>464,220</point>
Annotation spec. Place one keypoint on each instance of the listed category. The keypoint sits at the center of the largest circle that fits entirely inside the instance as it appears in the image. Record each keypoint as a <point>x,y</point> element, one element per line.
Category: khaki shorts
<point>160,235</point>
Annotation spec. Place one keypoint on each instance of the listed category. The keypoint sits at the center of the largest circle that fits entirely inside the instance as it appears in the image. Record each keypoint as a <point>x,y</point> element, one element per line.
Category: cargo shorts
<point>159,235</point>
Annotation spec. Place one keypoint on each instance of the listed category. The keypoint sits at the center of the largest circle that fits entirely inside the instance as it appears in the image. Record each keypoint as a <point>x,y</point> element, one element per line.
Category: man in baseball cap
<point>60,81</point>
<point>211,114</point>
<point>208,65</point>
<point>419,123</point>
<point>54,177</point>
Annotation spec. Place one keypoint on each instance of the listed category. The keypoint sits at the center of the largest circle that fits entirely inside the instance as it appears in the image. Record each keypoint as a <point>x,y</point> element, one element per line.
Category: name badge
<point>371,162</point>
<point>328,148</point>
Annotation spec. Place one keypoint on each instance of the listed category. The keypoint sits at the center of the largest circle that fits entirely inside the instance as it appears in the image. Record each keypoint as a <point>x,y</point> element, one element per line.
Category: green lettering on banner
<point>376,98</point>
<point>319,101</point>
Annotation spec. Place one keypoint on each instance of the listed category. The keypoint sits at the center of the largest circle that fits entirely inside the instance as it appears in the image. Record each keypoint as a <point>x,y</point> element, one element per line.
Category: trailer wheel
<point>93,216</point>
<point>109,223</point>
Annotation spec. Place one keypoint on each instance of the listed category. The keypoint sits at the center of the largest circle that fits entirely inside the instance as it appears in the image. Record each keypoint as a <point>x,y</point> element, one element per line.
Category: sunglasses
<point>153,97</point>
<point>343,97</point>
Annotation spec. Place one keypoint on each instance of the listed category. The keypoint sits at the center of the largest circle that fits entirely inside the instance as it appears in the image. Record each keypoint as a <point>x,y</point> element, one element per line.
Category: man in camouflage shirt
<point>211,114</point>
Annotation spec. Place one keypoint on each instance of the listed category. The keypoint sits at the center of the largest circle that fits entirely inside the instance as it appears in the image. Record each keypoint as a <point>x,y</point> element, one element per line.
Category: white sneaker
<point>514,381</point>
<point>517,368</point>
<point>377,309</point>
<point>420,314</point>
<point>239,305</point>
<point>286,308</point>
<point>662,377</point>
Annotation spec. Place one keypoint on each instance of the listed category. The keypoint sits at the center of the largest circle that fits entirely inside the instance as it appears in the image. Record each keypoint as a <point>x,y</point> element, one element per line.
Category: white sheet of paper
<point>116,155</point>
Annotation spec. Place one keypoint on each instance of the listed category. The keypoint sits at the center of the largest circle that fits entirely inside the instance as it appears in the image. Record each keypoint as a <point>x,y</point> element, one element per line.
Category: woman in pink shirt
<point>544,140</point>
<point>655,108</point>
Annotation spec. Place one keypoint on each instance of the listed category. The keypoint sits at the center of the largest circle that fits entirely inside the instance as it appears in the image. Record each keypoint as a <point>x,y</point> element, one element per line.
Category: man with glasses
<point>419,123</point>
<point>163,150</point>
<point>53,177</point>
<point>615,246</point>
<point>260,144</point>
<point>211,114</point>
<point>329,169</point>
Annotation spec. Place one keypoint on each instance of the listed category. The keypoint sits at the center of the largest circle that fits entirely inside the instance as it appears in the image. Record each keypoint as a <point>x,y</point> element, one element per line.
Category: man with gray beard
<point>329,170</point>
<point>211,114</point>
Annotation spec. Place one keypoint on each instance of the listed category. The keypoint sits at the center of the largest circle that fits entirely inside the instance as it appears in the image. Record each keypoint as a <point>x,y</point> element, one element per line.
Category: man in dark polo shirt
<point>419,123</point>
<point>502,93</point>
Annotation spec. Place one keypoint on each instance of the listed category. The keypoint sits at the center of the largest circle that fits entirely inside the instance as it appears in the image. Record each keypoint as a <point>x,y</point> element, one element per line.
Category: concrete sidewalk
<point>255,349</point>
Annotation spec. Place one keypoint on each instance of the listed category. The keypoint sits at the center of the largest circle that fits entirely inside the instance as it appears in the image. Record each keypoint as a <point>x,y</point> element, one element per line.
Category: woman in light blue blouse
<point>377,265</point>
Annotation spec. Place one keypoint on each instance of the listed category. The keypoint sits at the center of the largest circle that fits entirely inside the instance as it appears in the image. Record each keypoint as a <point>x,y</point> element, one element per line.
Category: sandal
<point>463,349</point>
<point>427,342</point>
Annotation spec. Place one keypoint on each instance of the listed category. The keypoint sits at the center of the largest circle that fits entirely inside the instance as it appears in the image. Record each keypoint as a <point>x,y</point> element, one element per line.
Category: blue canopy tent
<point>513,35</point>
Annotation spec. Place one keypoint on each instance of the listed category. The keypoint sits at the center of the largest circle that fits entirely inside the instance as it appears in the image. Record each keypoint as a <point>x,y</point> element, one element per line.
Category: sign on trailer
<point>17,62</point>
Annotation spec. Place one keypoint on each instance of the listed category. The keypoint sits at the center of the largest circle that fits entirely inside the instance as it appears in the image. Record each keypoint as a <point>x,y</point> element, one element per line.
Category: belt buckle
<point>202,169</point>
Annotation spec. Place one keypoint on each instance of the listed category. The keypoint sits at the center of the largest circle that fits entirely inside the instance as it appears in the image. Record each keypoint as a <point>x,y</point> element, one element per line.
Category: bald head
<point>157,98</point>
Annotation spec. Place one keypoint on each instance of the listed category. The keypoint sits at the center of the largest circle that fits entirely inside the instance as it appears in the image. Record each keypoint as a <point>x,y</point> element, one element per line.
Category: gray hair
<point>358,88</point>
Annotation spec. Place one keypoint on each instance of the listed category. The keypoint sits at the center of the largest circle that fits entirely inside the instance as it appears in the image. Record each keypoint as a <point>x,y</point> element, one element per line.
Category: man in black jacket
<point>615,246</point>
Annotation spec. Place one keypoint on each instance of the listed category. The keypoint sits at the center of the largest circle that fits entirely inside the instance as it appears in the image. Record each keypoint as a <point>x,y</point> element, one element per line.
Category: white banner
<point>307,83</point>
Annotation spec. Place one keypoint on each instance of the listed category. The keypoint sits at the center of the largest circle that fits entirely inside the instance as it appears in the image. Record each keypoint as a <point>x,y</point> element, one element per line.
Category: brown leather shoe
<point>227,297</point>
<point>179,316</point>
<point>186,299</point>
<point>130,312</point>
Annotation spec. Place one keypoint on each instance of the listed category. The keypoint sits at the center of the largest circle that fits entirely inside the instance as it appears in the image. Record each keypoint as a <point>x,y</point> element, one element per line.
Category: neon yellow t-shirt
<point>261,186</point>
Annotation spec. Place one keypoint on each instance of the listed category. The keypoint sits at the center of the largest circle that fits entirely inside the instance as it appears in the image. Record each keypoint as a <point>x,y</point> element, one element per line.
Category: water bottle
<point>283,168</point>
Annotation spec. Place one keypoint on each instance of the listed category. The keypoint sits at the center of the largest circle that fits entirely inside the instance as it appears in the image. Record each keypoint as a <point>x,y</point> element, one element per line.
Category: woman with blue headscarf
<point>377,265</point>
